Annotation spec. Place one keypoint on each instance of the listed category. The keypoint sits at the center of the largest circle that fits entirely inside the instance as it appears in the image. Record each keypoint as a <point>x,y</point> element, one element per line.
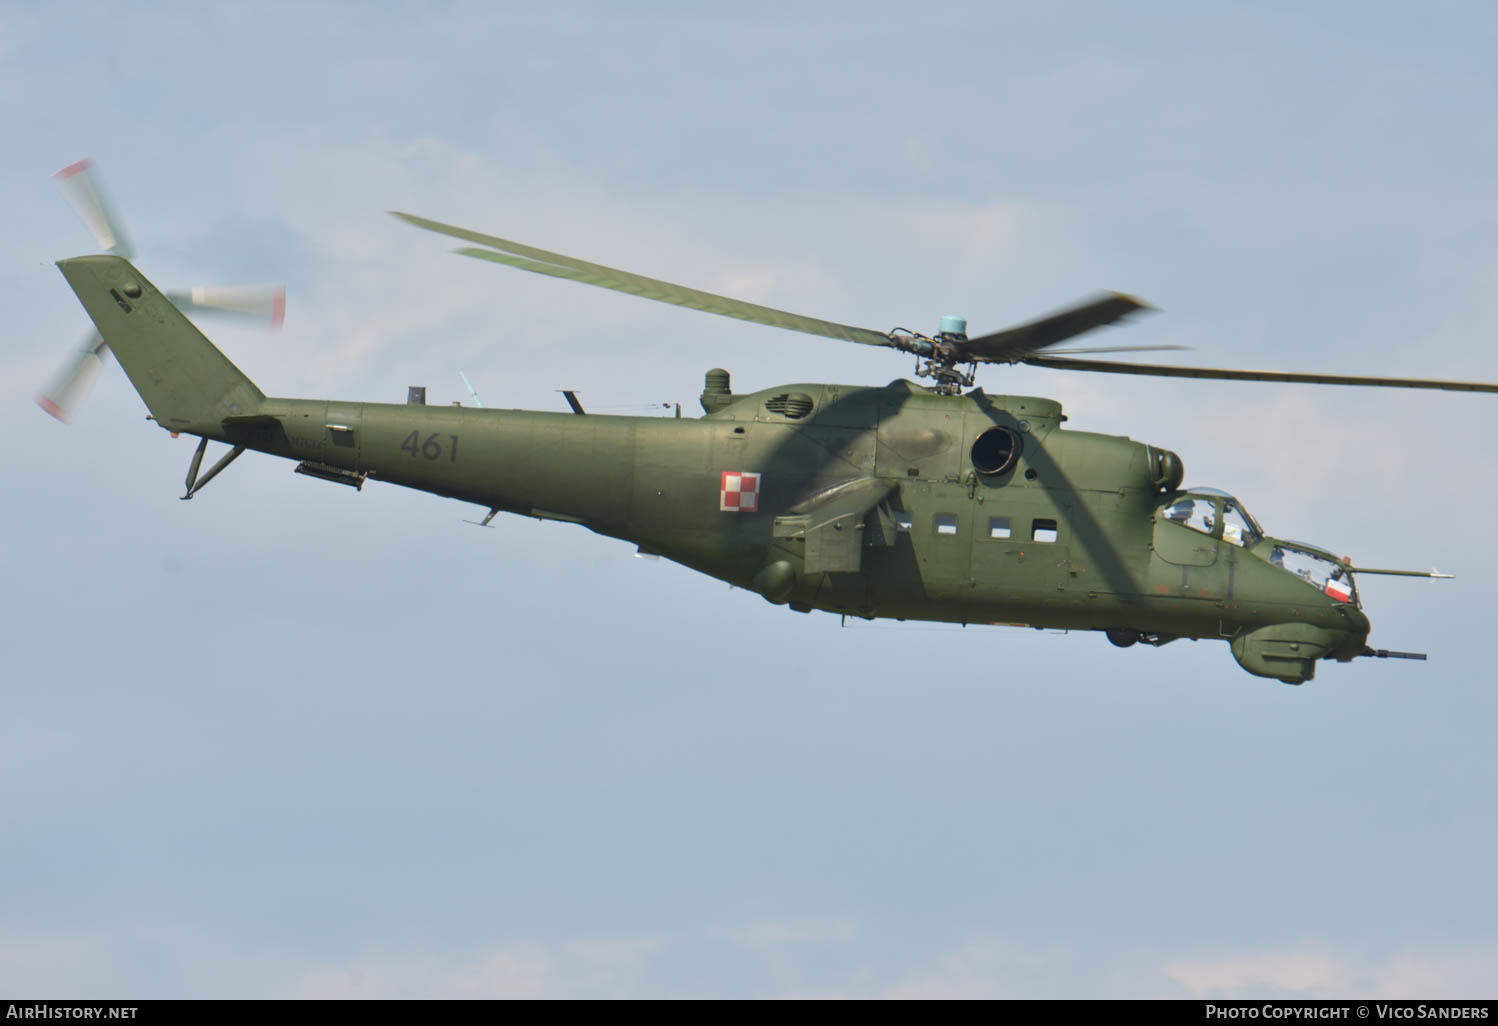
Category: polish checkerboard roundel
<point>740,493</point>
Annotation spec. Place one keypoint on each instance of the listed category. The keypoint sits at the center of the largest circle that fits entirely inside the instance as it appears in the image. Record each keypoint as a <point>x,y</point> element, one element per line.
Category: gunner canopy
<point>1319,571</point>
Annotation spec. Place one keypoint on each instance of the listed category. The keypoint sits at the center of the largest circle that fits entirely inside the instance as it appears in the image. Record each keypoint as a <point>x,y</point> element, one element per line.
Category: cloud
<point>989,969</point>
<point>32,964</point>
<point>585,968</point>
<point>790,957</point>
<point>768,934</point>
<point>520,971</point>
<point>1319,971</point>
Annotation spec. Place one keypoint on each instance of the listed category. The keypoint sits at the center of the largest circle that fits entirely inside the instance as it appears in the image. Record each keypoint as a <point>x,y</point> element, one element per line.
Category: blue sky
<point>288,739</point>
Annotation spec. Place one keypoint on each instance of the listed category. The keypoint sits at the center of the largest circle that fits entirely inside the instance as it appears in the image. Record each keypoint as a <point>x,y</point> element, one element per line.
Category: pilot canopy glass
<point>1196,513</point>
<point>1208,509</point>
<point>1237,526</point>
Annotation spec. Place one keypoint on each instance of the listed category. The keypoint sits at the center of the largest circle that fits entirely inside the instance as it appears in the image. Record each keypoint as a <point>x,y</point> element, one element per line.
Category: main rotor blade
<point>80,185</point>
<point>540,261</point>
<point>265,303</point>
<point>1121,349</point>
<point>68,388</point>
<point>1013,345</point>
<point>1156,370</point>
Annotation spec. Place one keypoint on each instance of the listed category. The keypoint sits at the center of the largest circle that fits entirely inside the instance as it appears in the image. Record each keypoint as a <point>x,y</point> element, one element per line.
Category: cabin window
<point>946,523</point>
<point>904,522</point>
<point>1043,531</point>
<point>998,527</point>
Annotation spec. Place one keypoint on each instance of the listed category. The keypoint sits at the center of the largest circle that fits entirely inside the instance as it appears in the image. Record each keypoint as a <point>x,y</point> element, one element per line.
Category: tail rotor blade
<point>62,396</point>
<point>264,303</point>
<point>80,185</point>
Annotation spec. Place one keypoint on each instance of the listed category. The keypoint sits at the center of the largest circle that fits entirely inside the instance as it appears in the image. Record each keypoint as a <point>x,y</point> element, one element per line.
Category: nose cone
<point>1357,622</point>
<point>1350,628</point>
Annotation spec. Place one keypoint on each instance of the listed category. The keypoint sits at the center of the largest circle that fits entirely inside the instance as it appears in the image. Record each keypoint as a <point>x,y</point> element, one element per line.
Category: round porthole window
<point>996,450</point>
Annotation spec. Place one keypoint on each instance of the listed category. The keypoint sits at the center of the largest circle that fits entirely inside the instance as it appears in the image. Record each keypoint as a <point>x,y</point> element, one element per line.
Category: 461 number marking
<point>431,449</point>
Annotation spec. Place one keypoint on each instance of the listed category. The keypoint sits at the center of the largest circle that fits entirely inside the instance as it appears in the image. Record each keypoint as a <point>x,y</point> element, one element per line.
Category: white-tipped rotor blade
<point>265,303</point>
<point>81,187</point>
<point>61,398</point>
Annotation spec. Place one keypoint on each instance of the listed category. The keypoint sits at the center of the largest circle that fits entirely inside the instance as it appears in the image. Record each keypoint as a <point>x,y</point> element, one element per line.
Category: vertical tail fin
<point>187,384</point>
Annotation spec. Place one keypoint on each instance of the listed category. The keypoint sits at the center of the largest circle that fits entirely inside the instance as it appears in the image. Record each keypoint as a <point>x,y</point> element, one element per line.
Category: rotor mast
<point>938,358</point>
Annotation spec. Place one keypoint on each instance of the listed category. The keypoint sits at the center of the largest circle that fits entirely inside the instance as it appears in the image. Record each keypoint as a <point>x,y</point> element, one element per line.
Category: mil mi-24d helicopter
<point>902,502</point>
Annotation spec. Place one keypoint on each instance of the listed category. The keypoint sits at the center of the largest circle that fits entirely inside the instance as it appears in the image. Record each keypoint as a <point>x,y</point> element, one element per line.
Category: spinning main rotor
<point>949,357</point>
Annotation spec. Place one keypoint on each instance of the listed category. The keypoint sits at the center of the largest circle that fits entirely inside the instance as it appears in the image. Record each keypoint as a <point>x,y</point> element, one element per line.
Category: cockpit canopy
<point>1214,512</point>
<point>1217,514</point>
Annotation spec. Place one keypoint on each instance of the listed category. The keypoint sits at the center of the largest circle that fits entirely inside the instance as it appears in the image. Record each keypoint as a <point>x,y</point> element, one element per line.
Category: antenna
<point>476,400</point>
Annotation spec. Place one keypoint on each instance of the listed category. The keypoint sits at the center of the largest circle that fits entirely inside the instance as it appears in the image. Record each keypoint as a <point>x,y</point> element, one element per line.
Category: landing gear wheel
<point>1122,637</point>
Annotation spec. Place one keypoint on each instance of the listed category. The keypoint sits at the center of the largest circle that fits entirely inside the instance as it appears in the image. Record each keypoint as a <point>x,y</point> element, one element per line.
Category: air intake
<point>793,405</point>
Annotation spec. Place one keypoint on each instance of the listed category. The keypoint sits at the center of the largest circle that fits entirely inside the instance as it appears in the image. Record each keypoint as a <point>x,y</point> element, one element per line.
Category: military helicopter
<point>940,503</point>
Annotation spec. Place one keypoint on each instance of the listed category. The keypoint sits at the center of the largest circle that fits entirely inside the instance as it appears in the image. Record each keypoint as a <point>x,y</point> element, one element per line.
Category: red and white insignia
<point>740,492</point>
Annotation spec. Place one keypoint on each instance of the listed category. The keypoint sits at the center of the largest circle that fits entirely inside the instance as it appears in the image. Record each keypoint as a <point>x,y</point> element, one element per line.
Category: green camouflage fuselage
<point>863,501</point>
<point>928,549</point>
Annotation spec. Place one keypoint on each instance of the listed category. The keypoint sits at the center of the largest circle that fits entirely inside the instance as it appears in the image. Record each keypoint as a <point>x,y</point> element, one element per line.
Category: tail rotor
<point>70,385</point>
<point>258,304</point>
<point>262,304</point>
<point>79,184</point>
